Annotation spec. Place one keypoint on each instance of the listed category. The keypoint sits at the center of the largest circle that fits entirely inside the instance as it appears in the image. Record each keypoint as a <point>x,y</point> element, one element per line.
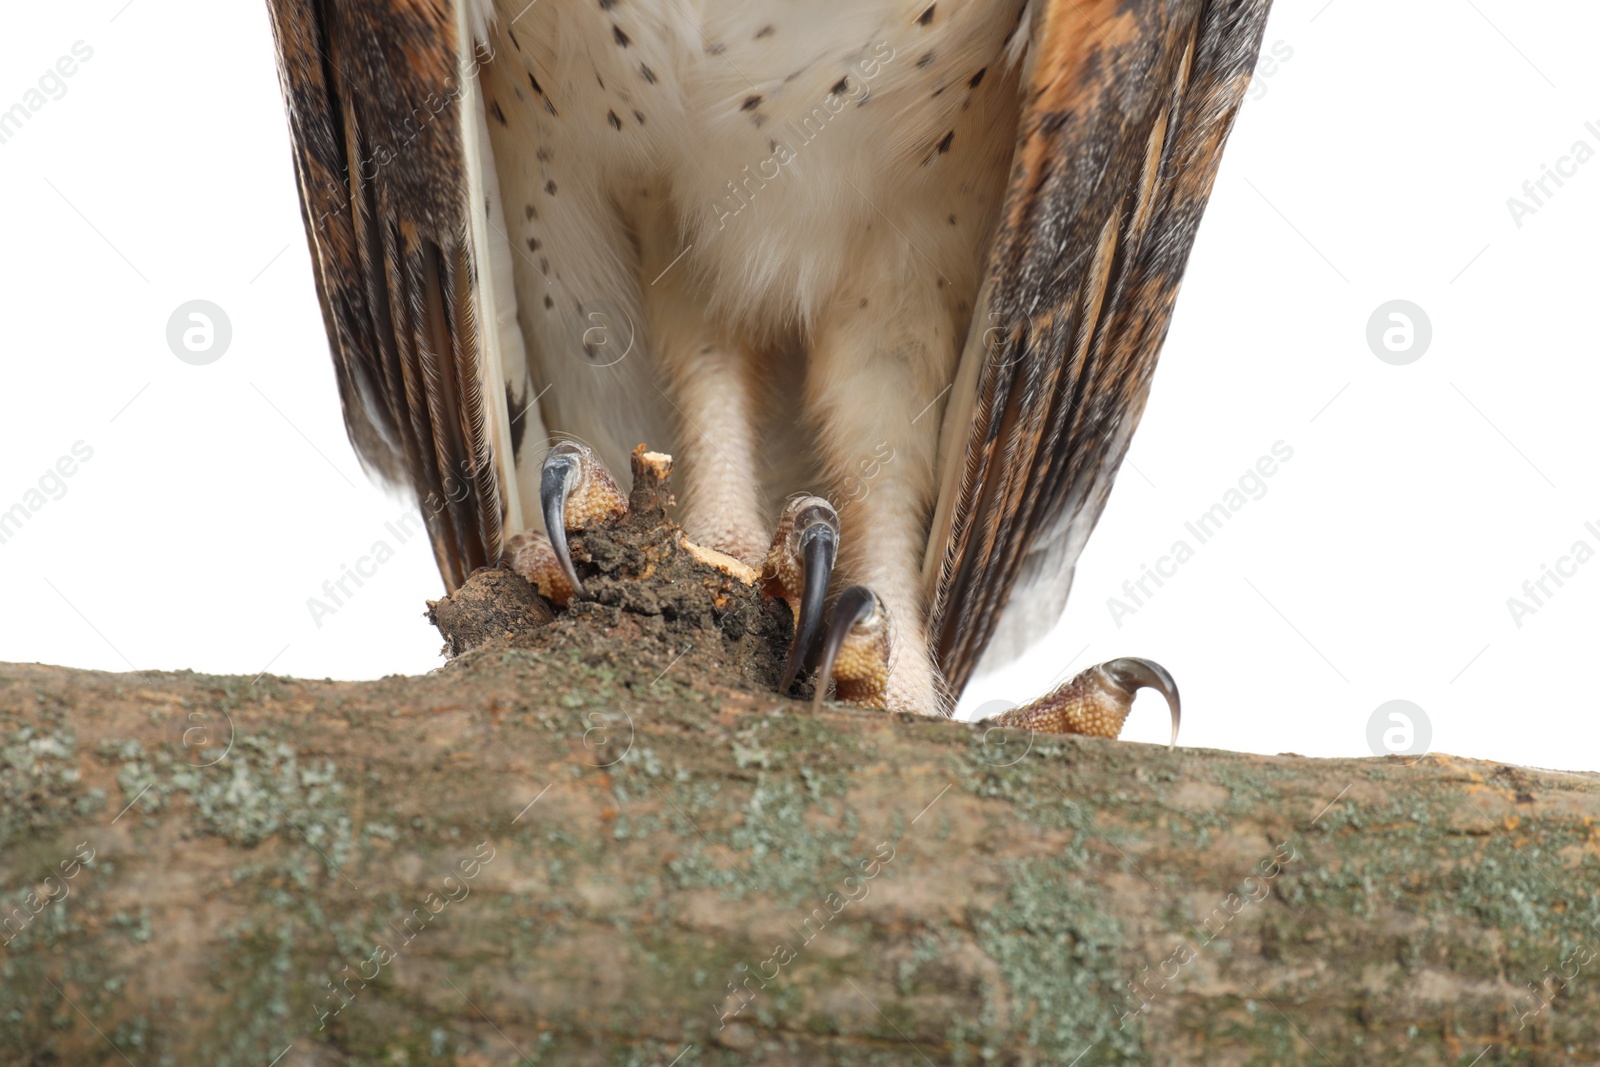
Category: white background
<point>1373,164</point>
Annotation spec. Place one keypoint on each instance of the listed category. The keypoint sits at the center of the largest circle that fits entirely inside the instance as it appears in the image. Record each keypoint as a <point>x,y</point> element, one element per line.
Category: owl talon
<point>798,568</point>
<point>575,492</point>
<point>1096,701</point>
<point>855,653</point>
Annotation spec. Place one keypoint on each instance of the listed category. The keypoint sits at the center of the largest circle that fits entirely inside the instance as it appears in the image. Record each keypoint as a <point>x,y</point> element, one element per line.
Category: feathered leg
<point>873,384</point>
<point>711,384</point>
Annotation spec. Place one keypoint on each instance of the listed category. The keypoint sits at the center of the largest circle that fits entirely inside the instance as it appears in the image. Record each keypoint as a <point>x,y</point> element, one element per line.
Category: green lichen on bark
<point>680,872</point>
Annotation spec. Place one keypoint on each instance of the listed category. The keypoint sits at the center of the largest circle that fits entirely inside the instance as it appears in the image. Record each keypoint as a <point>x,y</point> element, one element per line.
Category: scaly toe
<point>855,653</point>
<point>799,566</point>
<point>1096,702</point>
<point>530,554</point>
<point>575,492</point>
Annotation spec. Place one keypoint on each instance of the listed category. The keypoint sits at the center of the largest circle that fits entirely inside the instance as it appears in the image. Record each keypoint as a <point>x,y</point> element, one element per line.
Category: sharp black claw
<point>1132,674</point>
<point>855,605</point>
<point>819,545</point>
<point>556,480</point>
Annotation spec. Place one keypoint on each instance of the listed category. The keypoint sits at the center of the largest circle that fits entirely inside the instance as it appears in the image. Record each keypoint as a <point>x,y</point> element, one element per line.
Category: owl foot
<point>577,494</point>
<point>855,652</point>
<point>1096,701</point>
<point>531,555</point>
<point>575,491</point>
<point>798,567</point>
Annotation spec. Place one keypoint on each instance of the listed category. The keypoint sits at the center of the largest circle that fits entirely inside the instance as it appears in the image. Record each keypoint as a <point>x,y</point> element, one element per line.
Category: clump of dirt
<point>652,603</point>
<point>496,603</point>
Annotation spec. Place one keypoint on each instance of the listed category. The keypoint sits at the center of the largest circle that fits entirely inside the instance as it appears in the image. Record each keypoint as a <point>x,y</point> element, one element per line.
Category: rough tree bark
<point>604,841</point>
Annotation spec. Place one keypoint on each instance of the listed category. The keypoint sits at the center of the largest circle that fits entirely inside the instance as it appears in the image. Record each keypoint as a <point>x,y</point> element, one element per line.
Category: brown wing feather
<point>374,106</point>
<point>1126,113</point>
